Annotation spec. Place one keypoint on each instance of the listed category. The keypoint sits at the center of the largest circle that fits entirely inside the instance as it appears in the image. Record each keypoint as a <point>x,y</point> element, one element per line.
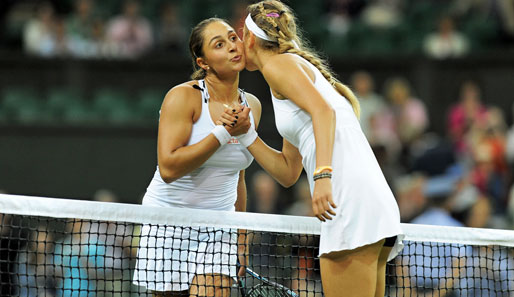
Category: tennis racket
<point>265,288</point>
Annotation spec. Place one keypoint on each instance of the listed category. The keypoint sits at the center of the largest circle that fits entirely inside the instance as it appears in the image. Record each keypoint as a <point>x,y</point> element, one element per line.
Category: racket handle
<point>241,287</point>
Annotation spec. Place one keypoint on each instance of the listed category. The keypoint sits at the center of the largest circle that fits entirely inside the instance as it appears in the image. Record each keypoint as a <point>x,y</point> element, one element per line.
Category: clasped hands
<point>235,119</point>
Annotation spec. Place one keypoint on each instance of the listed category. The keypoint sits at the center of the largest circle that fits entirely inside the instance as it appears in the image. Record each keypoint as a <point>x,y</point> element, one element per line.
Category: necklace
<point>233,102</point>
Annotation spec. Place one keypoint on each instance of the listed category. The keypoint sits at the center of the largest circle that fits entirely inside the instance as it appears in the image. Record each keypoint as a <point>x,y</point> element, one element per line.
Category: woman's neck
<point>223,90</point>
<point>261,57</point>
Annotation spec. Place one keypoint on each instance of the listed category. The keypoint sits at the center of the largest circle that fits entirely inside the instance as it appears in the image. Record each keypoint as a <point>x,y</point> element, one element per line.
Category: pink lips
<point>236,59</point>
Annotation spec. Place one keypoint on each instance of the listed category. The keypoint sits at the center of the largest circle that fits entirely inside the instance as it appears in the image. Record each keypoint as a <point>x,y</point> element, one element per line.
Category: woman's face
<point>223,50</point>
<point>250,66</point>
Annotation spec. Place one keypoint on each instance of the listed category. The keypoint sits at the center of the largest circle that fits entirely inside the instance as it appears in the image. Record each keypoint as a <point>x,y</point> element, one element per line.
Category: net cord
<point>131,213</point>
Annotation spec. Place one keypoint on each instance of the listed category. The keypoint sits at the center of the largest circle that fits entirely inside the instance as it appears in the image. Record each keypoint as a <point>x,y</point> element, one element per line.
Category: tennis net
<point>62,247</point>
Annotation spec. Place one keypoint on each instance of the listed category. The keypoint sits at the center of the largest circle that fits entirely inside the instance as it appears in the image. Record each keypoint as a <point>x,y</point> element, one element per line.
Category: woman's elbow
<point>168,176</point>
<point>287,182</point>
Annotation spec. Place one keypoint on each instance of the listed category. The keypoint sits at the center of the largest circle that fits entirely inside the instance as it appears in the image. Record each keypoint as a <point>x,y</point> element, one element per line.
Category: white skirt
<point>169,256</point>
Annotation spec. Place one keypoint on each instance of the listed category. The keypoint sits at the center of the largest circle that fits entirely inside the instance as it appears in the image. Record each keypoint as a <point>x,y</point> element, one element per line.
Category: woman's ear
<point>251,39</point>
<point>201,62</point>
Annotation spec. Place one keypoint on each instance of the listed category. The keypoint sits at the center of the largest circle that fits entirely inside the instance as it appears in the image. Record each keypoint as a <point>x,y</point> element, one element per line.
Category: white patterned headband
<point>252,26</point>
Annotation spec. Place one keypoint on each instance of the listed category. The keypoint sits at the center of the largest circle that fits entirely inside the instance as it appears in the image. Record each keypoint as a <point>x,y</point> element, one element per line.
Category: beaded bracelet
<point>322,175</point>
<point>322,168</point>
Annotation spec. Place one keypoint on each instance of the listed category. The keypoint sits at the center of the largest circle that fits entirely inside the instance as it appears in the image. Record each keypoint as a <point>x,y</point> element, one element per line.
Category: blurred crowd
<point>131,28</point>
<point>464,177</point>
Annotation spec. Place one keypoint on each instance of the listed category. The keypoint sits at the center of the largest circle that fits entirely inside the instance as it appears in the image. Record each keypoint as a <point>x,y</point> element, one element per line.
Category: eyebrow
<point>219,36</point>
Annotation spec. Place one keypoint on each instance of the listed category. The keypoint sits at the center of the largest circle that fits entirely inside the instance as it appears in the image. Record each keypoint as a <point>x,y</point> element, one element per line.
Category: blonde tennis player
<point>318,118</point>
<point>200,165</point>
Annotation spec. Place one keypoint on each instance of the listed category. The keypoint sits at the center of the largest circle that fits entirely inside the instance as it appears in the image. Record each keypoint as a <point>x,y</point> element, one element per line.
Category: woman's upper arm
<point>256,107</point>
<point>176,120</point>
<point>298,87</point>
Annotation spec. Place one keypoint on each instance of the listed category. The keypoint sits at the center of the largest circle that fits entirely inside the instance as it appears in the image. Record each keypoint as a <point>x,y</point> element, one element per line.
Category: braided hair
<point>278,21</point>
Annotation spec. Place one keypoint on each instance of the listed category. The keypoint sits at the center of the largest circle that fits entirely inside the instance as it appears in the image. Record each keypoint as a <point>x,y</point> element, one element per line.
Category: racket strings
<point>264,290</point>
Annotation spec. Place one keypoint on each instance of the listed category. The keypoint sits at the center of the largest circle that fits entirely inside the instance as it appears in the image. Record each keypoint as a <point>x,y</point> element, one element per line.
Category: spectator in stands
<point>62,46</point>
<point>12,237</point>
<point>409,194</point>
<point>487,271</point>
<point>170,35</point>
<point>265,193</point>
<point>510,208</point>
<point>488,172</point>
<point>383,14</point>
<point>372,104</point>
<point>338,19</point>
<point>425,276</point>
<point>39,32</point>
<point>446,42</point>
<point>302,203</point>
<point>34,269</point>
<point>81,260</point>
<point>410,114</point>
<point>130,31</point>
<point>467,113</point>
<point>118,239</point>
<point>80,26</point>
<point>510,142</point>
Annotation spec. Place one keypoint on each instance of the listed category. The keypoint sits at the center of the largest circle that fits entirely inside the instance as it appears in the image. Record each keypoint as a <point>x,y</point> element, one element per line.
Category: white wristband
<point>248,138</point>
<point>221,134</point>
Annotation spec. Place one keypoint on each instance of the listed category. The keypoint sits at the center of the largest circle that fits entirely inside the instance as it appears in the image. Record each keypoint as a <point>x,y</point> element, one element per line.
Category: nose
<point>234,45</point>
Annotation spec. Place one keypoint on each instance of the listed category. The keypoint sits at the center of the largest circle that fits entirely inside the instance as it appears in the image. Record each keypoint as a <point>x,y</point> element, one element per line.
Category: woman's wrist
<point>322,175</point>
<point>321,169</point>
<point>248,138</point>
<point>221,134</point>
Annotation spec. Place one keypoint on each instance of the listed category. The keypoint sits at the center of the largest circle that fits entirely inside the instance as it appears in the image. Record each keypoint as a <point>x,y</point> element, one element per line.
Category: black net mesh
<point>45,256</point>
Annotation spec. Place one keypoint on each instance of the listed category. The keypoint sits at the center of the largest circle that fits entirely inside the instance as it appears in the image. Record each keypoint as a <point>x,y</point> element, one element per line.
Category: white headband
<point>252,26</point>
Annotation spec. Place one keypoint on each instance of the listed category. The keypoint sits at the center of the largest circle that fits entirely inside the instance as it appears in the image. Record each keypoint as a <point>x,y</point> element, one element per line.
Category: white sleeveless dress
<point>170,256</point>
<point>366,208</point>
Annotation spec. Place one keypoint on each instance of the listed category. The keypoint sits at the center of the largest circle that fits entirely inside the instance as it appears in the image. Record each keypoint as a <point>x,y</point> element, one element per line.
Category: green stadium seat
<point>480,31</point>
<point>60,100</point>
<point>113,105</point>
<point>149,104</point>
<point>22,104</point>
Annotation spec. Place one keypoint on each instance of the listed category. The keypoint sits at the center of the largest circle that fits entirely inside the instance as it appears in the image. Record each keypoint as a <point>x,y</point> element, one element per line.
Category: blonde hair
<point>278,21</point>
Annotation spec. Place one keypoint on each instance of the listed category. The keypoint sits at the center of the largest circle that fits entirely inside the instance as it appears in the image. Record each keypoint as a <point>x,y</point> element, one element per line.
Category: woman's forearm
<point>324,123</point>
<point>284,166</point>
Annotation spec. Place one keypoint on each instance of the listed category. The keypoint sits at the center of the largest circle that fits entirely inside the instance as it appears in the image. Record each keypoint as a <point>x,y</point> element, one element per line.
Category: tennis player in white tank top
<point>318,118</point>
<point>200,165</point>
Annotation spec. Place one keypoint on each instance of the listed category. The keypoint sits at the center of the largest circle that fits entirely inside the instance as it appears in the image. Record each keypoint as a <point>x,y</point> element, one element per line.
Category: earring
<point>208,68</point>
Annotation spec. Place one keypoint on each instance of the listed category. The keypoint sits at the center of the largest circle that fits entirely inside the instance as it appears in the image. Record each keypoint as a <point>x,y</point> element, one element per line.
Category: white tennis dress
<point>170,256</point>
<point>366,208</point>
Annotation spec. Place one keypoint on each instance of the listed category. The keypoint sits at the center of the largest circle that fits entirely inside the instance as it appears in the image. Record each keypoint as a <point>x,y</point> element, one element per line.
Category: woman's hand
<point>322,203</point>
<point>236,120</point>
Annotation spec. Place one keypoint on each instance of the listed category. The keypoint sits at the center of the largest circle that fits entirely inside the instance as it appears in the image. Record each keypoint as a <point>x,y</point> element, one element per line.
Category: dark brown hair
<point>279,22</point>
<point>196,45</point>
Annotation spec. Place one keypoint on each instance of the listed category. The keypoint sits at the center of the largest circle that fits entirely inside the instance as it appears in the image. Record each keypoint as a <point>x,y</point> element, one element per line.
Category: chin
<point>250,67</point>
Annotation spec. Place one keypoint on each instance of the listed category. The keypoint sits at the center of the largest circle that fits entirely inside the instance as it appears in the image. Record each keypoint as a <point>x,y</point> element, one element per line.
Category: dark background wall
<point>75,161</point>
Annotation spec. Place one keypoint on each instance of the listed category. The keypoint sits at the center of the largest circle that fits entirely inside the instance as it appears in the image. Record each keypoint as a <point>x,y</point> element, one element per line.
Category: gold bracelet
<point>321,169</point>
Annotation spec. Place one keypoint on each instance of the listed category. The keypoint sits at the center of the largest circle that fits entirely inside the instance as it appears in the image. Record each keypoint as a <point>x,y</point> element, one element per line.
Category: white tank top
<point>213,185</point>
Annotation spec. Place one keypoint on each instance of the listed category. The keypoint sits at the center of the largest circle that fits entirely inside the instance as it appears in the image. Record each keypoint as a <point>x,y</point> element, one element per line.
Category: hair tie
<point>273,15</point>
